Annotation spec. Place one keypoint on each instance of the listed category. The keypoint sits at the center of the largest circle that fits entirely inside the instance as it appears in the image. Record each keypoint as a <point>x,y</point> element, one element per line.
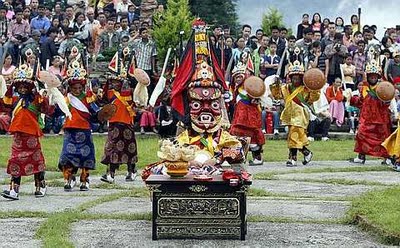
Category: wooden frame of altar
<point>188,208</point>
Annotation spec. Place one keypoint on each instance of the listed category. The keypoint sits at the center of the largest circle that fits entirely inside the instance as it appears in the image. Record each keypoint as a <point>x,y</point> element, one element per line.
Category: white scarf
<point>76,103</point>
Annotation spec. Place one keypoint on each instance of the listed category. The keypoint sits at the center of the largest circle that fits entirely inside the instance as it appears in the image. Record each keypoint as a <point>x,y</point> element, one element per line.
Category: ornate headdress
<point>200,76</point>
<point>373,61</point>
<point>122,65</point>
<point>239,68</point>
<point>76,73</point>
<point>24,74</point>
<point>29,50</point>
<point>296,65</point>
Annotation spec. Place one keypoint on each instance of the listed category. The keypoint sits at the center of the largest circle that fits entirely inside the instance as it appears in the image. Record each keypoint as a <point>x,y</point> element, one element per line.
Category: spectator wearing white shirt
<point>69,15</point>
<point>80,28</point>
<point>122,8</point>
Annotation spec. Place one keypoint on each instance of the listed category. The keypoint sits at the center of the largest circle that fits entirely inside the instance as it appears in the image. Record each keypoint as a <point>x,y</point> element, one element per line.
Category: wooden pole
<point>359,18</point>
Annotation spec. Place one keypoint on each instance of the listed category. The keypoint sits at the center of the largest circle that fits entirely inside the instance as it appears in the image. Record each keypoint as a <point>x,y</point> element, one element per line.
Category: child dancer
<point>296,113</point>
<point>78,148</point>
<point>26,153</point>
<point>120,147</point>
<point>374,125</point>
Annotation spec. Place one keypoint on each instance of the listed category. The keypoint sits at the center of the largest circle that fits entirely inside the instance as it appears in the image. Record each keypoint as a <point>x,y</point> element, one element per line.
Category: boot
<point>292,160</point>
<point>110,173</point>
<point>360,159</point>
<point>131,175</point>
<point>388,161</point>
<point>67,173</point>
<point>396,166</point>
<point>257,156</point>
<point>40,185</point>
<point>13,192</point>
<point>84,180</point>
<point>308,155</point>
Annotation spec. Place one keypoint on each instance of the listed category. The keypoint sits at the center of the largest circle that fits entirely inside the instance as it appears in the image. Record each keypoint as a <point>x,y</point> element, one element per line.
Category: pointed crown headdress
<point>245,66</point>
<point>373,61</point>
<point>122,65</point>
<point>203,75</point>
<point>24,73</point>
<point>296,65</point>
<point>76,73</point>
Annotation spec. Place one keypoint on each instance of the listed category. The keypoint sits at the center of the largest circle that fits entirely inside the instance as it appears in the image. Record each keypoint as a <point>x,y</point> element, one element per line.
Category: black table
<point>188,208</point>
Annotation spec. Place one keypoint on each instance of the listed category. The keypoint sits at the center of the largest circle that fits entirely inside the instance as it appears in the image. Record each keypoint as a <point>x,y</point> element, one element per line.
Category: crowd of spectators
<point>338,48</point>
<point>49,30</point>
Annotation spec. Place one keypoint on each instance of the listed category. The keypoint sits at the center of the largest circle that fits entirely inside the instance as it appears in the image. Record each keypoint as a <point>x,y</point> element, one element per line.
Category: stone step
<point>299,210</point>
<point>20,232</point>
<point>308,189</point>
<point>381,177</point>
<point>97,233</point>
<point>48,204</point>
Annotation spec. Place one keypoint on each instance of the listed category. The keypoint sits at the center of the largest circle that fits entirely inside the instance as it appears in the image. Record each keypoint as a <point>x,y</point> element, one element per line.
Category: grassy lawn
<point>379,213</point>
<point>274,150</point>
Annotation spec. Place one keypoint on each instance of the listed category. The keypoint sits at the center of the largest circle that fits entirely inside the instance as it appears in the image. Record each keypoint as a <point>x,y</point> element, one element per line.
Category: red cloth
<point>396,80</point>
<point>79,118</point>
<point>269,123</point>
<point>148,119</point>
<point>4,121</point>
<point>25,120</point>
<point>330,94</point>
<point>122,114</point>
<point>374,126</point>
<point>26,156</point>
<point>183,75</point>
<point>231,174</point>
<point>247,123</point>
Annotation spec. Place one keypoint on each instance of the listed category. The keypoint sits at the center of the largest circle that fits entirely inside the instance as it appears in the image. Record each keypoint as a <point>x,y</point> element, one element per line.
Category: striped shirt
<point>144,51</point>
<point>321,61</point>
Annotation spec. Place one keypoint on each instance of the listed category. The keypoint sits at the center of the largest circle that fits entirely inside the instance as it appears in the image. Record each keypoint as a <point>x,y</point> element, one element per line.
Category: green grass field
<point>274,150</point>
<point>379,212</point>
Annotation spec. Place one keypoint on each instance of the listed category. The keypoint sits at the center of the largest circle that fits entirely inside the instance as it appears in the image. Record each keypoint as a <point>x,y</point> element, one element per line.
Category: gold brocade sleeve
<point>227,140</point>
<point>276,91</point>
<point>313,96</point>
<point>183,138</point>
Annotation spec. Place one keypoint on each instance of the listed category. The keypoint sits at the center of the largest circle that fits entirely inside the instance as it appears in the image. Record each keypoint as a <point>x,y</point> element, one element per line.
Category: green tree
<point>176,18</point>
<point>271,18</point>
<point>222,12</point>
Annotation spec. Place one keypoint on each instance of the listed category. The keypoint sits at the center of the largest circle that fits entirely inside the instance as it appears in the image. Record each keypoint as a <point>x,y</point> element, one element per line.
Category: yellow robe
<point>295,116</point>
<point>392,144</point>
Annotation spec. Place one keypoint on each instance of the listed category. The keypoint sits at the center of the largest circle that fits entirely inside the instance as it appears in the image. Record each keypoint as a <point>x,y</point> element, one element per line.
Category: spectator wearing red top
<point>334,95</point>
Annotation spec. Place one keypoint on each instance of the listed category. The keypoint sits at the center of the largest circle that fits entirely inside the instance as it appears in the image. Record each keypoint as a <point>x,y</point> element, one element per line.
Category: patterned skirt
<point>78,149</point>
<point>26,156</point>
<point>120,146</point>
